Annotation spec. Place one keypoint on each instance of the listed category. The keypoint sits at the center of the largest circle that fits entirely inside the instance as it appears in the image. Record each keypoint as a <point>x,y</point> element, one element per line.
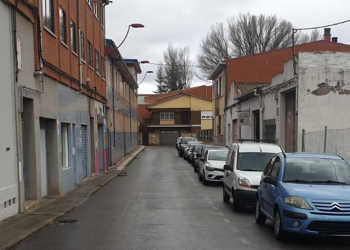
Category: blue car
<point>305,194</point>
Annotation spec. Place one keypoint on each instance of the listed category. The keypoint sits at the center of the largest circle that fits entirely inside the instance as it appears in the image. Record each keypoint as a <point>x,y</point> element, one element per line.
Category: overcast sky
<point>186,22</point>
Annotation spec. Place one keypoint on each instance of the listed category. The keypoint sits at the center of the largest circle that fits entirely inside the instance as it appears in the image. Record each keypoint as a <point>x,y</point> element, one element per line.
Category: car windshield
<point>316,170</point>
<point>186,140</point>
<point>253,161</point>
<point>217,155</point>
<point>197,148</point>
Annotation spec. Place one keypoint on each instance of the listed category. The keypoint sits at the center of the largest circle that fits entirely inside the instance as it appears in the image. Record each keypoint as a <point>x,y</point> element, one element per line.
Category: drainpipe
<point>79,46</point>
<point>130,111</point>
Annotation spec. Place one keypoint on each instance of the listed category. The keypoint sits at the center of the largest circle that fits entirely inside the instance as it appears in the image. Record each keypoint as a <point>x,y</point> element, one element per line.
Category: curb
<point>118,168</point>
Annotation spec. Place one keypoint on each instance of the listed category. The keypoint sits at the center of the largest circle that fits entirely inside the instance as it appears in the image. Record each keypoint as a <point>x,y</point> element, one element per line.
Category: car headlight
<point>297,201</point>
<point>209,168</point>
<point>244,182</point>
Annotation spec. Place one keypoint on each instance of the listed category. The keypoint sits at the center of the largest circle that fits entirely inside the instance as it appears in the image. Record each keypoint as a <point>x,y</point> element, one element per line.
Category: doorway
<point>256,115</point>
<point>290,122</point>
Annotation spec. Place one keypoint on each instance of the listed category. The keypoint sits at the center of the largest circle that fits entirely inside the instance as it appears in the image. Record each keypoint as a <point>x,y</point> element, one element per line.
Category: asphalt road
<point>160,204</point>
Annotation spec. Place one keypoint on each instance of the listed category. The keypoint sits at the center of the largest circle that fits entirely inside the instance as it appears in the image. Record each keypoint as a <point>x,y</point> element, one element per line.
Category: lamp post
<point>147,72</point>
<point>134,25</point>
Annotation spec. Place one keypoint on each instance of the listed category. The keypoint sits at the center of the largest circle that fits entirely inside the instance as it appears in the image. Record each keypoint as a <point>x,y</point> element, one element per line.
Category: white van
<point>242,171</point>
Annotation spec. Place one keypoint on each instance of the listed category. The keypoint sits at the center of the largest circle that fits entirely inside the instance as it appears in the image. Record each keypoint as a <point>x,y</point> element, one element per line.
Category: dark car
<point>201,154</point>
<point>183,144</point>
<point>193,157</point>
<point>177,143</point>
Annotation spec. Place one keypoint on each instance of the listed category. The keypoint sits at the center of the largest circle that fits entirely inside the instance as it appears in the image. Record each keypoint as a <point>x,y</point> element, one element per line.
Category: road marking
<point>215,208</point>
<point>221,214</point>
<point>234,229</point>
<point>190,177</point>
<point>227,220</point>
<point>211,203</point>
<point>245,241</point>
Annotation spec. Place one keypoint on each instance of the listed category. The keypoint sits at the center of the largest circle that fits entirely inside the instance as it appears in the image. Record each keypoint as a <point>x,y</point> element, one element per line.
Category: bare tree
<point>161,80</point>
<point>214,48</point>
<point>178,73</point>
<point>247,35</point>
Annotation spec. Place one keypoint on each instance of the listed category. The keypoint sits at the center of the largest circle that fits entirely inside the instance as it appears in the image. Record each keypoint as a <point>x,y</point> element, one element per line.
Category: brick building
<point>57,47</point>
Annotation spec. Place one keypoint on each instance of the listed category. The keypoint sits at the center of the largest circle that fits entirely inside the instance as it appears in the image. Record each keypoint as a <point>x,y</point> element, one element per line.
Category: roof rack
<point>255,140</point>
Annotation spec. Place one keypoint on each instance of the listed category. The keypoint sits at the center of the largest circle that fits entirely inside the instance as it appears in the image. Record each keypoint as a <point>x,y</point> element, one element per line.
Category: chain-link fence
<point>330,141</point>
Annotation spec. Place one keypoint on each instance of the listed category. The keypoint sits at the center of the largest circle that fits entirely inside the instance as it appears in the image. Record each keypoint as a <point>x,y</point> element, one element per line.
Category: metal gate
<point>145,139</point>
<point>168,138</point>
<point>84,150</point>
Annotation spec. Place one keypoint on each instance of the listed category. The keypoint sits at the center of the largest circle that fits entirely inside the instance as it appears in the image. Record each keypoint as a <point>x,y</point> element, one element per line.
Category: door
<point>145,139</point>
<point>234,131</point>
<point>228,175</point>
<point>74,153</point>
<point>24,152</point>
<point>290,125</point>
<point>43,159</point>
<point>268,191</point>
<point>84,149</point>
<point>100,148</point>
<point>256,114</point>
<point>168,138</point>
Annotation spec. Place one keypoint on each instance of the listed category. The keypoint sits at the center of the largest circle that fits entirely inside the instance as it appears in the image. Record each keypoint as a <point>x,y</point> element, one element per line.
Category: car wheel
<point>259,217</point>
<point>195,169</point>
<point>277,226</point>
<point>205,182</point>
<point>225,196</point>
<point>235,205</point>
<point>199,176</point>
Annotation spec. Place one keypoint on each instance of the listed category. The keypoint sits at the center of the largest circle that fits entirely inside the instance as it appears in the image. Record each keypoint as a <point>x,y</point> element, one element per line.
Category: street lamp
<point>148,72</point>
<point>134,25</point>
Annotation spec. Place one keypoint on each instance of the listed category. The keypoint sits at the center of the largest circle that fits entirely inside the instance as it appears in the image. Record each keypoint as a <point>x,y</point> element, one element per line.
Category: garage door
<point>168,138</point>
<point>84,150</point>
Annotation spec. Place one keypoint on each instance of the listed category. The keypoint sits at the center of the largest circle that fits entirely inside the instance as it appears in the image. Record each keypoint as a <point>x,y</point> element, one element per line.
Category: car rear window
<point>253,161</point>
<point>185,140</point>
<point>217,155</point>
<point>316,170</point>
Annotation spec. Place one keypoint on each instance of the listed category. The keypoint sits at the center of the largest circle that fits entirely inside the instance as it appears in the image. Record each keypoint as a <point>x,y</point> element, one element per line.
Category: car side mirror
<point>269,180</point>
<point>228,167</point>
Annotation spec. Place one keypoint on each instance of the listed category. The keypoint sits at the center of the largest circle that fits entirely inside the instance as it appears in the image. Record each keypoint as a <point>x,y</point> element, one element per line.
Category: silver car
<point>212,168</point>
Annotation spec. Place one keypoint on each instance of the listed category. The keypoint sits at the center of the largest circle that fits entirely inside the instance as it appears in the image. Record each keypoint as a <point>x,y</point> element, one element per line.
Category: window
<point>167,116</point>
<point>48,14</point>
<point>82,47</point>
<point>276,168</point>
<point>90,56</point>
<point>206,115</point>
<point>269,167</point>
<point>102,15</point>
<point>63,26</point>
<point>95,8</point>
<point>97,62</point>
<point>73,37</point>
<point>64,145</point>
<point>102,67</point>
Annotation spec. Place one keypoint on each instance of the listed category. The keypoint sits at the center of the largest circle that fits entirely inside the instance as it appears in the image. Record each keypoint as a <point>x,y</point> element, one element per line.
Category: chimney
<point>327,34</point>
<point>335,39</point>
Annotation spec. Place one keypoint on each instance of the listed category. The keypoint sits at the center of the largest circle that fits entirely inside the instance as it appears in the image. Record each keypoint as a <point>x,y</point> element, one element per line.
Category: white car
<point>212,167</point>
<point>243,169</point>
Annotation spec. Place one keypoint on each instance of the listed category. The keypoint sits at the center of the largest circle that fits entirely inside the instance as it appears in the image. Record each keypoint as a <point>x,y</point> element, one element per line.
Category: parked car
<point>177,143</point>
<point>306,194</point>
<point>201,154</point>
<point>193,156</point>
<point>212,169</point>
<point>183,144</point>
<point>187,148</point>
<point>244,165</point>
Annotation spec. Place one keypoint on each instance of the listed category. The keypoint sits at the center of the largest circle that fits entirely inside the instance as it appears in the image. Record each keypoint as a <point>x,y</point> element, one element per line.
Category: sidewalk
<point>19,227</point>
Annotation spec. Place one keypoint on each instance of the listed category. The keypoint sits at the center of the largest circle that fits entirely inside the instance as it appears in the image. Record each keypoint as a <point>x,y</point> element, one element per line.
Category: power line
<point>324,26</point>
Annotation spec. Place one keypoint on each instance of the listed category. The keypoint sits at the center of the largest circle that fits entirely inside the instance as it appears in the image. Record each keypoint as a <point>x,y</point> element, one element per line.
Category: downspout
<point>79,45</point>
<point>130,111</point>
<point>225,104</point>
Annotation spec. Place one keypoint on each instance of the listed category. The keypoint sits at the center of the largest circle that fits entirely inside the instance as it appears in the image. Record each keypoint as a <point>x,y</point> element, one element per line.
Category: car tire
<point>235,205</point>
<point>259,217</point>
<point>199,176</point>
<point>205,182</point>
<point>225,196</point>
<point>195,169</point>
<point>277,225</point>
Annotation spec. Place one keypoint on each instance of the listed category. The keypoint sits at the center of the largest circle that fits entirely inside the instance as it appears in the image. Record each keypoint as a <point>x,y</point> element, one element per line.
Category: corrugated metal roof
<point>245,87</point>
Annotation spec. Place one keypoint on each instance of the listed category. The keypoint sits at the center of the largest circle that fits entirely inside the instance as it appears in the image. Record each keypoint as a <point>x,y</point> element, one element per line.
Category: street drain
<point>64,221</point>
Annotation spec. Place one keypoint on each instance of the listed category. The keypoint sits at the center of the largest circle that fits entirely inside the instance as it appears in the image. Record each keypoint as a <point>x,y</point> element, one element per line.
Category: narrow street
<point>160,204</point>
